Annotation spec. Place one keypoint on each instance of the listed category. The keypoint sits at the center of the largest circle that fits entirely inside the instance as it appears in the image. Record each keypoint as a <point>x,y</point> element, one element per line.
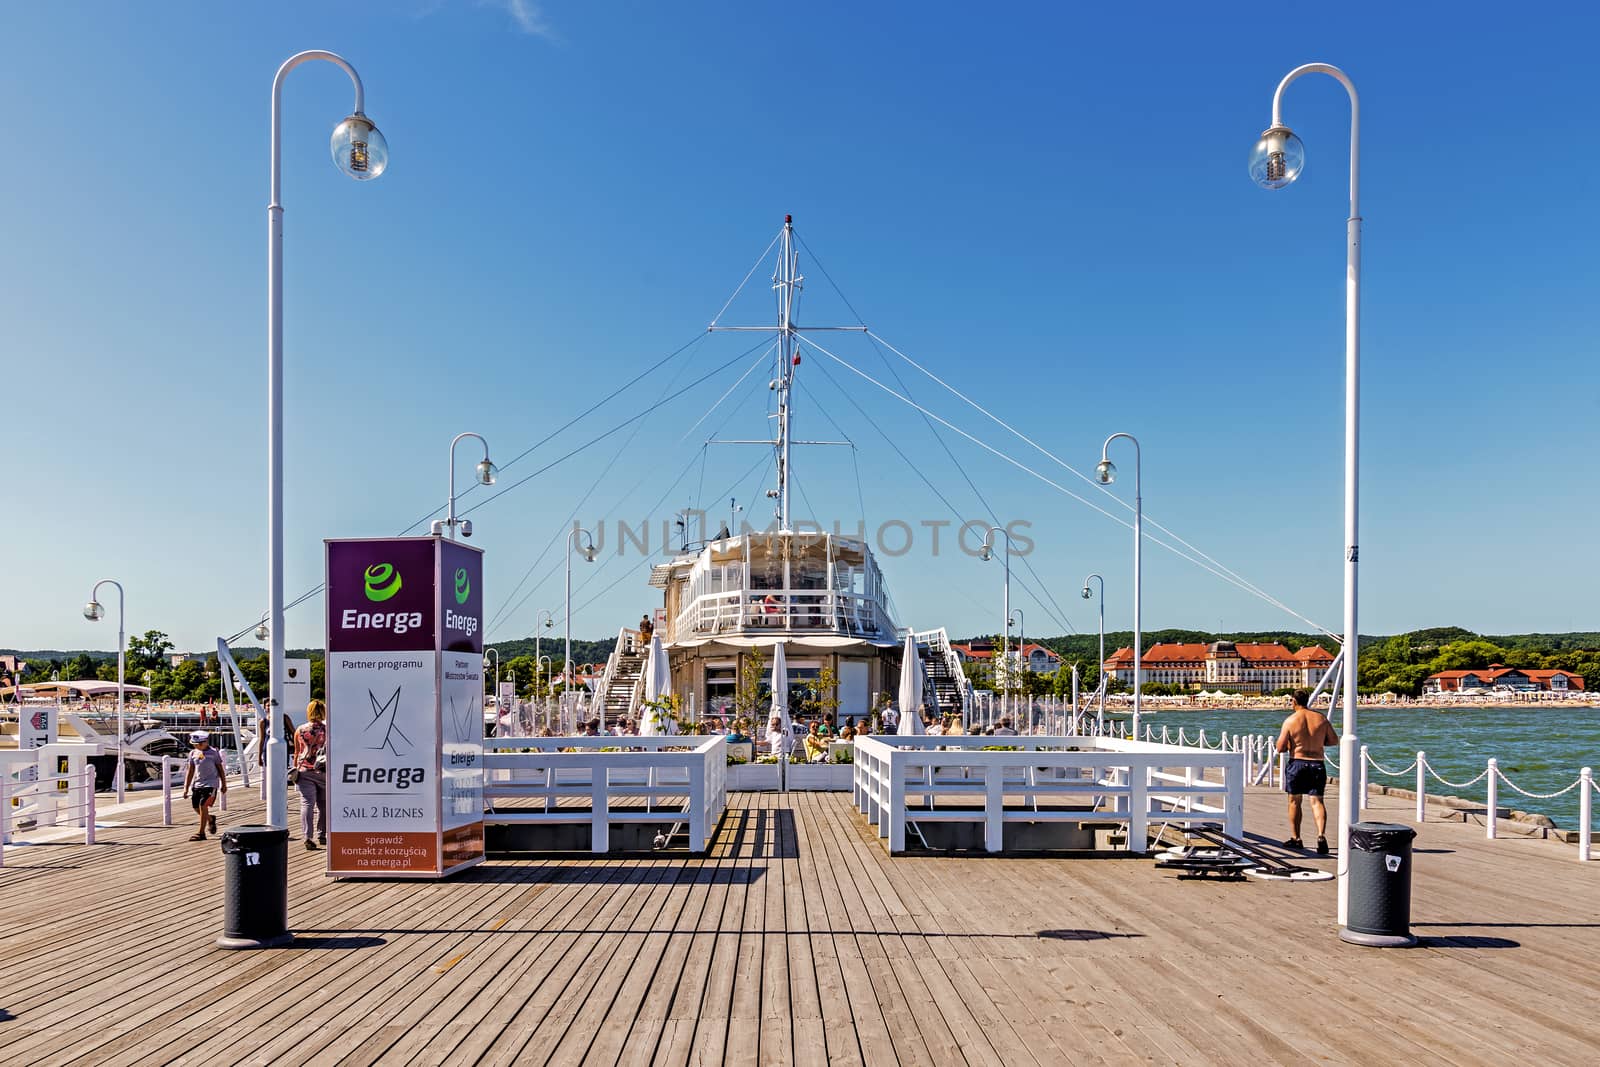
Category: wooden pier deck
<point>797,941</point>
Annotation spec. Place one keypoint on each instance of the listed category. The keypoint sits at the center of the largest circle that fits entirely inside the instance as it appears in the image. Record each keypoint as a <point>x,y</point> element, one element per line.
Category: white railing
<point>43,802</point>
<point>740,611</point>
<point>900,781</point>
<point>624,638</point>
<point>678,784</point>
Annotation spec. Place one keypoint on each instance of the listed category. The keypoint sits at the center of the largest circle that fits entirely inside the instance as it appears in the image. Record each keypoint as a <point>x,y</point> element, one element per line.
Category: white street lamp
<point>360,151</point>
<point>1101,666</point>
<point>986,554</point>
<point>496,653</point>
<point>1107,473</point>
<point>1276,161</point>
<point>589,553</point>
<point>94,612</point>
<point>485,471</point>
<point>547,619</point>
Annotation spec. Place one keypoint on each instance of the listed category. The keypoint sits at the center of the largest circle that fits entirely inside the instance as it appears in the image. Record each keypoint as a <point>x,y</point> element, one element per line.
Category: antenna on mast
<point>787,282</point>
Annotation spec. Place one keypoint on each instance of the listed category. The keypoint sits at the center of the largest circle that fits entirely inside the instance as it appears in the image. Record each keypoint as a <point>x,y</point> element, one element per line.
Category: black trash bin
<point>1380,885</point>
<point>255,911</point>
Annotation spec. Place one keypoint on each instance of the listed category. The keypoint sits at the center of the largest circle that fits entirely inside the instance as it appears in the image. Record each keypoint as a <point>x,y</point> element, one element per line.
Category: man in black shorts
<point>1304,737</point>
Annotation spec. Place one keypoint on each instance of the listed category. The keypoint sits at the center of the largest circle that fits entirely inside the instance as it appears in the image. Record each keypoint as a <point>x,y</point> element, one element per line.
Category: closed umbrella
<point>910,690</point>
<point>657,684</point>
<point>780,688</point>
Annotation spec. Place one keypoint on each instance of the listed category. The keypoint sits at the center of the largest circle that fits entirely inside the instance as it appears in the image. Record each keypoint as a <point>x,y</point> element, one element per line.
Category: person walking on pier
<point>310,760</point>
<point>203,780</point>
<point>1304,737</point>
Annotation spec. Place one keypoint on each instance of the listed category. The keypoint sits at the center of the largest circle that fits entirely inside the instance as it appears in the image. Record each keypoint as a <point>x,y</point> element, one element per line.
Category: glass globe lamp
<point>1277,159</point>
<point>1106,471</point>
<point>94,611</point>
<point>358,149</point>
<point>487,472</point>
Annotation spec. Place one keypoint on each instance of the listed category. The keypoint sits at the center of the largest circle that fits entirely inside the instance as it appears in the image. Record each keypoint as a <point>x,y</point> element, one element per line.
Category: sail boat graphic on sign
<point>464,717</point>
<point>383,716</point>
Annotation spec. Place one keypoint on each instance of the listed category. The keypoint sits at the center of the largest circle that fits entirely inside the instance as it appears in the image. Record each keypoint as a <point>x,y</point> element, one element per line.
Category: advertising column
<point>461,703</point>
<point>390,619</point>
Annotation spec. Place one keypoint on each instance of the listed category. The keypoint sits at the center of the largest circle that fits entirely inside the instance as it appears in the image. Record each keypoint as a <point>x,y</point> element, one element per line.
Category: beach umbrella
<point>657,684</point>
<point>910,690</point>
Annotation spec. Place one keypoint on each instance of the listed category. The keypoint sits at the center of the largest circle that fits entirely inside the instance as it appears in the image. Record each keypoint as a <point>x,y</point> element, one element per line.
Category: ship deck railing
<point>761,610</point>
<point>538,780</point>
<point>900,781</point>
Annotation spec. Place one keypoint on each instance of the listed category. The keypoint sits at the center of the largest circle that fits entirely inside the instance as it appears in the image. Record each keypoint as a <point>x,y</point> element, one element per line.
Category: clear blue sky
<point>1045,204</point>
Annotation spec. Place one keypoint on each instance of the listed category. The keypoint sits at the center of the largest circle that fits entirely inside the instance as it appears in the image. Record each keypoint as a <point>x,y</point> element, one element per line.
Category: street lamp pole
<point>987,553</point>
<point>496,653</point>
<point>1022,651</point>
<point>1276,161</point>
<point>545,619</point>
<point>94,612</point>
<point>589,553</point>
<point>1108,474</point>
<point>360,151</point>
<point>1100,667</point>
<point>486,471</point>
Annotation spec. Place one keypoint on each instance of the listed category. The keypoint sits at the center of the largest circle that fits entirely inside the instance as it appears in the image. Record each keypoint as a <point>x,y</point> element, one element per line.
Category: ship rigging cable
<point>1240,579</point>
<point>1053,609</point>
<point>1220,573</point>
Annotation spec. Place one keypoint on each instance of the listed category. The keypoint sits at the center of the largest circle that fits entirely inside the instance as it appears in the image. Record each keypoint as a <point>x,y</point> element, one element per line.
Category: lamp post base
<point>1355,937</point>
<point>283,940</point>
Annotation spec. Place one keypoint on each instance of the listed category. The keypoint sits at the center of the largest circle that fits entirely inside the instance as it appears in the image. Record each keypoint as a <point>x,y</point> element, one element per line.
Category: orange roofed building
<point>1245,667</point>
<point>1495,676</point>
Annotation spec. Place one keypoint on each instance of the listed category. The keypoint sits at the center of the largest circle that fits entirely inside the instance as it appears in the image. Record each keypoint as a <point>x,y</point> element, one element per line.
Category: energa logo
<point>463,585</point>
<point>382,582</point>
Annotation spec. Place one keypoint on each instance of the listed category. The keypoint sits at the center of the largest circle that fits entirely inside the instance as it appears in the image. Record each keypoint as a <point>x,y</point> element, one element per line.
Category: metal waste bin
<point>255,910</point>
<point>1379,911</point>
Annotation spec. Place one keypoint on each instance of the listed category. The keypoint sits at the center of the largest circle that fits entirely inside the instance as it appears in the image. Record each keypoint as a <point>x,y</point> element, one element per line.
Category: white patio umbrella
<point>780,688</point>
<point>657,684</point>
<point>910,690</point>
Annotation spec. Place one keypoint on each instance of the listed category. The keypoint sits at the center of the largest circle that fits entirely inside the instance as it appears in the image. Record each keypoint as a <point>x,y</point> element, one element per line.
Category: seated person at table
<point>816,745</point>
<point>780,742</point>
<point>848,733</point>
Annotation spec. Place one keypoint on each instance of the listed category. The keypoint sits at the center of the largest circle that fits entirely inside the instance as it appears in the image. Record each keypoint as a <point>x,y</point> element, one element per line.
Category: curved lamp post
<point>1275,162</point>
<point>545,619</point>
<point>589,553</point>
<point>1107,473</point>
<point>1100,668</point>
<point>485,470</point>
<point>360,151</point>
<point>986,553</point>
<point>496,652</point>
<point>94,612</point>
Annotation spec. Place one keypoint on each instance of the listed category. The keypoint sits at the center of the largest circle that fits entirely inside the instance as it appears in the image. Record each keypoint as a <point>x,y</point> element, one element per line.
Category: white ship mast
<point>787,282</point>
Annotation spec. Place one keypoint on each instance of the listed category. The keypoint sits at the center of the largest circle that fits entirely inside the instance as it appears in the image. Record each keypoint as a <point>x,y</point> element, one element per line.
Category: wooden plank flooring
<point>796,941</point>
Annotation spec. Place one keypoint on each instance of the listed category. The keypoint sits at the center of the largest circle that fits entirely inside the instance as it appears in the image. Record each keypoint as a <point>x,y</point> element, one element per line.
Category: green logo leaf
<point>463,585</point>
<point>383,582</point>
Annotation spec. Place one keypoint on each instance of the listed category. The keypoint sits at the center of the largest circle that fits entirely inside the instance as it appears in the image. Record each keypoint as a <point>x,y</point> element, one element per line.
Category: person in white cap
<point>204,778</point>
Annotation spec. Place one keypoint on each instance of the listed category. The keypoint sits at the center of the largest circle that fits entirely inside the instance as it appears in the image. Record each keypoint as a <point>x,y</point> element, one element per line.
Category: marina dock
<point>797,939</point>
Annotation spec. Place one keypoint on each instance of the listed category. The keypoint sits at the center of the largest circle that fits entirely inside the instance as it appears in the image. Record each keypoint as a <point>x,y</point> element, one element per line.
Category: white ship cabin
<point>821,595</point>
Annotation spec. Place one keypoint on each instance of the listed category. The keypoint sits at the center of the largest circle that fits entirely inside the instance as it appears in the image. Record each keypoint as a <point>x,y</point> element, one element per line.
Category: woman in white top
<point>780,742</point>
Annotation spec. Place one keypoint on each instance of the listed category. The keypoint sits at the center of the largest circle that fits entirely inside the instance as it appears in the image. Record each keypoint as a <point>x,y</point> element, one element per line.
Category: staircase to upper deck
<point>624,669</point>
<point>945,686</point>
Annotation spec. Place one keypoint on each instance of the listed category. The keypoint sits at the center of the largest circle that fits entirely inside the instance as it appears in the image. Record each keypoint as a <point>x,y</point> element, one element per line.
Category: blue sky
<point>1047,206</point>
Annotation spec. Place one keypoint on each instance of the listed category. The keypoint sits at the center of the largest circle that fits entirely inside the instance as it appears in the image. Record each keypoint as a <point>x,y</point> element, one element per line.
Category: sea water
<point>1540,748</point>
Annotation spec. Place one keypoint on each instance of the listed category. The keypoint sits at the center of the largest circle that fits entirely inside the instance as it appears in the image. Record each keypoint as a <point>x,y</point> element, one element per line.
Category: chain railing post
<point>88,807</point>
<point>1586,802</point>
<point>1422,787</point>
<point>1491,824</point>
<point>1361,803</point>
<point>166,790</point>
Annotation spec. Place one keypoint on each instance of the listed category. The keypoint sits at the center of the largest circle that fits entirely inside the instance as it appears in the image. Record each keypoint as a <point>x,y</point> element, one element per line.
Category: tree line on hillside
<point>1397,664</point>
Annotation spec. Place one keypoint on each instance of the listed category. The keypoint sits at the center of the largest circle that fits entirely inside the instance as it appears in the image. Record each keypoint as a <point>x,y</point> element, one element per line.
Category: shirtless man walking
<point>1305,735</point>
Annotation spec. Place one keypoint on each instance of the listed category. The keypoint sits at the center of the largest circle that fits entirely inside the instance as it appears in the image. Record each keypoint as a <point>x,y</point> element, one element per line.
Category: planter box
<point>831,776</point>
<point>745,750</point>
<point>760,777</point>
